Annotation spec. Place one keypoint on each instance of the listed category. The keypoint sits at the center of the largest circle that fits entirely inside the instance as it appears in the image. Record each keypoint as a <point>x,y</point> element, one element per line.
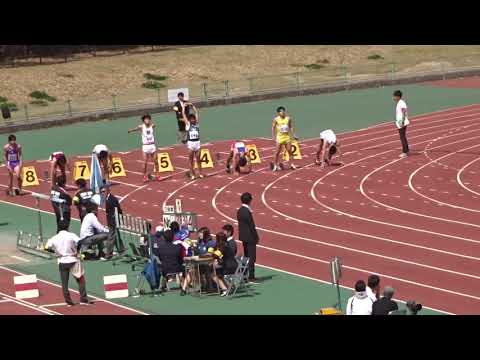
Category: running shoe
<point>293,167</point>
<point>145,178</point>
<point>224,293</point>
<point>201,176</point>
<point>158,178</point>
<point>403,155</point>
<point>192,177</point>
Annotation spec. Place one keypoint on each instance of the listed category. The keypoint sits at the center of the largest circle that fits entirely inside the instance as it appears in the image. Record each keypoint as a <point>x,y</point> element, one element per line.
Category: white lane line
<point>19,258</point>
<point>411,212</point>
<point>459,177</point>
<point>213,202</point>
<point>412,175</point>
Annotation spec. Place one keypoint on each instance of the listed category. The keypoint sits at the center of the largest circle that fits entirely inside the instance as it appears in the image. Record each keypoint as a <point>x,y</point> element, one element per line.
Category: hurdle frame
<point>28,246</point>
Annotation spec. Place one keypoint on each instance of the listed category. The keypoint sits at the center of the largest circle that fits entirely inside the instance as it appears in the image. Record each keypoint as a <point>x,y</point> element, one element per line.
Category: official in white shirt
<point>92,232</point>
<point>401,121</point>
<point>65,246</point>
<point>360,303</point>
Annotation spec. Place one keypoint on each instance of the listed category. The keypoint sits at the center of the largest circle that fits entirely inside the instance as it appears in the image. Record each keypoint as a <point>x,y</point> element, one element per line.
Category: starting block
<point>26,286</point>
<point>29,176</point>
<point>116,286</point>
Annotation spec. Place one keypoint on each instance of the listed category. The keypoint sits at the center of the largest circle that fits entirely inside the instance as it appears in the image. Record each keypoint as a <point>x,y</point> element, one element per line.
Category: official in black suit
<point>247,232</point>
<point>385,304</point>
<point>111,202</point>
<point>178,108</point>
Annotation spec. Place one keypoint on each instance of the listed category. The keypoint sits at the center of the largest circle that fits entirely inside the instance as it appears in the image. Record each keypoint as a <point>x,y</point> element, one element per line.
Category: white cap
<point>159,228</point>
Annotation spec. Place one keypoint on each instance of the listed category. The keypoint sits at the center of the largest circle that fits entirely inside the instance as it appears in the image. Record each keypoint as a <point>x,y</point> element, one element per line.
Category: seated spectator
<point>205,240</point>
<point>373,287</point>
<point>384,305</point>
<point>225,263</point>
<point>156,239</point>
<point>170,256</point>
<point>228,230</point>
<point>359,303</point>
<point>92,232</point>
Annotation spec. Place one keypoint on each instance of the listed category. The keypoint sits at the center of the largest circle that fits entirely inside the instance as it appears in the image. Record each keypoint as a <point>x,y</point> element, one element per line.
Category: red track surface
<point>412,221</point>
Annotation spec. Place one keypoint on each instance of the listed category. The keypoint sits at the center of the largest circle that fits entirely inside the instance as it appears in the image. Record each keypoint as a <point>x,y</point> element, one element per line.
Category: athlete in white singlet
<point>105,159</point>
<point>328,147</point>
<point>240,158</point>
<point>149,149</point>
<point>193,140</point>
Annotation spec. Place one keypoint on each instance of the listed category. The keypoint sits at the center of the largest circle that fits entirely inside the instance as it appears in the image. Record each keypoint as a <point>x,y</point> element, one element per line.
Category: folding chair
<point>141,280</point>
<point>239,278</point>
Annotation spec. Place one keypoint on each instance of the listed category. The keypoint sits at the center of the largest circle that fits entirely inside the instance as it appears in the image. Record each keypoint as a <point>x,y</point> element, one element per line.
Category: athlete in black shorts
<point>82,198</point>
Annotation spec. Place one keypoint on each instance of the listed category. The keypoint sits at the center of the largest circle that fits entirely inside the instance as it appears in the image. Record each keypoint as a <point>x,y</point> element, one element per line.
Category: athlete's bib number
<point>194,135</point>
<point>284,129</point>
<point>12,157</point>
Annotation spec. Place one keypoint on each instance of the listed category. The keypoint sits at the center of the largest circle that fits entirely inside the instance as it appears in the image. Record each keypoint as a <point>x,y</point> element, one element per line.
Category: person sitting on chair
<point>228,230</point>
<point>170,256</point>
<point>225,262</point>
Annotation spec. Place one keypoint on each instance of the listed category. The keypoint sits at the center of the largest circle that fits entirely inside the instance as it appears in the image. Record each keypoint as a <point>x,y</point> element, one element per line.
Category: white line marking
<point>19,258</point>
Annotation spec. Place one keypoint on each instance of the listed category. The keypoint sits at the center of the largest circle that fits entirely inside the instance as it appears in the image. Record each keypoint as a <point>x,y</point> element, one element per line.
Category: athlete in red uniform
<point>58,162</point>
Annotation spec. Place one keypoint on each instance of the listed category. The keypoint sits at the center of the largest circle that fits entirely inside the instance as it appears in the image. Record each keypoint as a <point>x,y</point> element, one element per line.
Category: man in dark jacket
<point>62,210</point>
<point>178,108</point>
<point>112,203</point>
<point>170,256</point>
<point>82,197</point>
<point>385,304</point>
<point>247,233</point>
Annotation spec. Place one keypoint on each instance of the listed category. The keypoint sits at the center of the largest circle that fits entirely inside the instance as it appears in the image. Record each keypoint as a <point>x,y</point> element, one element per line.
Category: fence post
<point>204,90</point>
<point>250,85</point>
<point>297,80</point>
<point>26,112</point>
<point>114,101</point>
<point>69,102</point>
<point>345,75</point>
<point>227,89</point>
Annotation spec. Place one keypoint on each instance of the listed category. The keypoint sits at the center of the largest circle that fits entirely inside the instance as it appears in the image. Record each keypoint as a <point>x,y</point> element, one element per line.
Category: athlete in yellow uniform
<point>282,133</point>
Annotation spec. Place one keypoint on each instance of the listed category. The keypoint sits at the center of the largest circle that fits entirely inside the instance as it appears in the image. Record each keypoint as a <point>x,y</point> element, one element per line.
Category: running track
<point>412,221</point>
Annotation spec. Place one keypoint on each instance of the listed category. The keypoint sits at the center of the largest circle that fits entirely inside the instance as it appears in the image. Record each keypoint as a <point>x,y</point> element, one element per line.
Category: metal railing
<point>331,76</point>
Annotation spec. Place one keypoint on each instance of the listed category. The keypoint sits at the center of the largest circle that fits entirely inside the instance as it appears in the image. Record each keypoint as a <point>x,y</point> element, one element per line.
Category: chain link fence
<point>298,82</point>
